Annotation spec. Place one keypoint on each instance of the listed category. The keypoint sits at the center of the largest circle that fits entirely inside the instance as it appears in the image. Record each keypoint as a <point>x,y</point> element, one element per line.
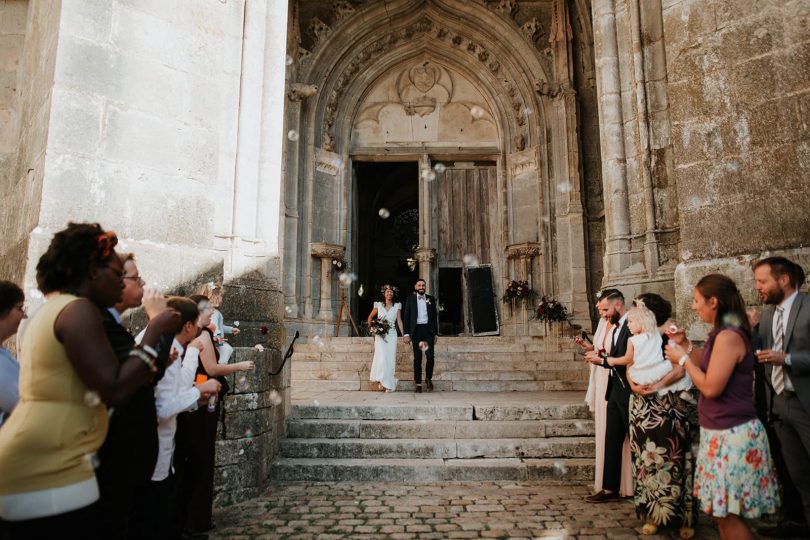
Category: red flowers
<point>264,329</point>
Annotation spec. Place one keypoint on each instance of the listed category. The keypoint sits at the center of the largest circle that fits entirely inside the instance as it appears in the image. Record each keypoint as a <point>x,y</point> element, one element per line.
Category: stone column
<point>326,252</point>
<point>426,257</point>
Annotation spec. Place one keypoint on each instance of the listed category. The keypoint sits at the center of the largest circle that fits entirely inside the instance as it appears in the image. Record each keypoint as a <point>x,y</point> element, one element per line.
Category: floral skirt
<point>661,428</point>
<point>735,473</point>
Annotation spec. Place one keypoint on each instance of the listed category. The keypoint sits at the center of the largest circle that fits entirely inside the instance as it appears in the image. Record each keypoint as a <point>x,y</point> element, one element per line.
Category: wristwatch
<point>683,359</point>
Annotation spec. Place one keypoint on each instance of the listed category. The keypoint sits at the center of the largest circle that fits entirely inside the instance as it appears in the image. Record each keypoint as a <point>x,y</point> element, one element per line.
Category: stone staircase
<point>465,364</point>
<point>453,436</point>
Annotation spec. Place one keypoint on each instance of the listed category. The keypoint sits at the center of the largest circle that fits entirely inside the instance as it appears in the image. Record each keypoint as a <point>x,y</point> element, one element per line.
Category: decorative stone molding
<point>327,162</point>
<point>299,91</point>
<point>524,250</point>
<point>560,24</point>
<point>553,89</point>
<point>319,30</point>
<point>425,254</point>
<point>532,29</point>
<point>365,56</point>
<point>522,162</point>
<point>343,10</point>
<point>323,250</point>
<point>507,7</point>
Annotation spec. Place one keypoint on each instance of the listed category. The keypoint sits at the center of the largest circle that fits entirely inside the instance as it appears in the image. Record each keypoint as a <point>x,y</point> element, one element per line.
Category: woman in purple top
<point>734,477</point>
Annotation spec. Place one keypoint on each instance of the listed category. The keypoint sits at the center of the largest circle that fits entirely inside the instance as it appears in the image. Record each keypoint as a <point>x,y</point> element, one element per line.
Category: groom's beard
<point>615,318</point>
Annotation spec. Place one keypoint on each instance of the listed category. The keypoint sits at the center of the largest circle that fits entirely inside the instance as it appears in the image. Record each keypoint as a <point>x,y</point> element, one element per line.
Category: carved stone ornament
<point>327,162</point>
<point>299,91</point>
<point>553,89</point>
<point>422,86</point>
<point>425,254</point>
<point>507,7</point>
<point>524,250</point>
<point>343,9</point>
<point>522,162</point>
<point>319,30</point>
<point>531,29</point>
<point>322,250</point>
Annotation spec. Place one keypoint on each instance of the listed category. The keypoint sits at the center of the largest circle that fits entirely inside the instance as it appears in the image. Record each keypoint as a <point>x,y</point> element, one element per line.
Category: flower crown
<point>393,288</point>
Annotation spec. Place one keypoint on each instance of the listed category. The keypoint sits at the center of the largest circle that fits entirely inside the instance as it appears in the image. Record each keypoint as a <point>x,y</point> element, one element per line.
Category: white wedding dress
<point>384,365</point>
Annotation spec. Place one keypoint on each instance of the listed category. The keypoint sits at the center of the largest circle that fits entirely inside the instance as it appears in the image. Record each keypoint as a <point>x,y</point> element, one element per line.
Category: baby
<point>645,349</point>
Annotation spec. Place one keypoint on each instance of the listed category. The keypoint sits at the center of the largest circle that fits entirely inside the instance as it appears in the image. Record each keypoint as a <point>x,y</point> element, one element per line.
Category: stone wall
<point>26,79</point>
<point>739,87</point>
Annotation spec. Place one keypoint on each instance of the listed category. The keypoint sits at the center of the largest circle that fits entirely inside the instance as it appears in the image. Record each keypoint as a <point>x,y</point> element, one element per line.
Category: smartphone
<point>584,335</point>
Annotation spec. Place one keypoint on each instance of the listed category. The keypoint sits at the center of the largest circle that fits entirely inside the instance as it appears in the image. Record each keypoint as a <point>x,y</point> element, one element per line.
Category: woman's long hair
<point>730,305</point>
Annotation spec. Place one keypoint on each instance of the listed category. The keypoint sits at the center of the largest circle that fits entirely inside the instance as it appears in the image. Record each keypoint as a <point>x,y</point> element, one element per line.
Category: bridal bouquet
<point>379,327</point>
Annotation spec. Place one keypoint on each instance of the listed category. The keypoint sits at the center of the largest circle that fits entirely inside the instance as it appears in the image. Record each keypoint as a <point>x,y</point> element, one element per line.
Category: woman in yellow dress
<point>69,375</point>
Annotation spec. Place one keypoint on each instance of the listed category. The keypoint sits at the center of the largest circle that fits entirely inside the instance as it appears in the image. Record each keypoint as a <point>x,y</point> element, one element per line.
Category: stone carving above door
<point>422,86</point>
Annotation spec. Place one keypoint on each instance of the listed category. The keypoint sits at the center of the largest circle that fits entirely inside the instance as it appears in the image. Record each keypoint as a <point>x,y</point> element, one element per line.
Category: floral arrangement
<point>517,290</point>
<point>379,327</point>
<point>393,288</point>
<point>550,310</point>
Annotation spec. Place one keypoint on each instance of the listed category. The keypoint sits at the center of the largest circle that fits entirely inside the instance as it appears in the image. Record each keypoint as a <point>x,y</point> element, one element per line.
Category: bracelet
<point>689,348</point>
<point>605,362</point>
<point>683,360</point>
<point>149,350</point>
<point>150,363</point>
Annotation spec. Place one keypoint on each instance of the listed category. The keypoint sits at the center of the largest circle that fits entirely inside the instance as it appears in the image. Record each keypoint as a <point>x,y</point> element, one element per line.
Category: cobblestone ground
<point>449,510</point>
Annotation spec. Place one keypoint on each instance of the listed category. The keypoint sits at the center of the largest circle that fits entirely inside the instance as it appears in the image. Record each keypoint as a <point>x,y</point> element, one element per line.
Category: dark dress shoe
<point>786,529</point>
<point>602,496</point>
<point>418,388</point>
<point>429,386</point>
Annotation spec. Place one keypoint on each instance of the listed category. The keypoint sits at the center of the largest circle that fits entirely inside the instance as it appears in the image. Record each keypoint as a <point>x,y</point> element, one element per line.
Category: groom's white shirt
<point>421,309</point>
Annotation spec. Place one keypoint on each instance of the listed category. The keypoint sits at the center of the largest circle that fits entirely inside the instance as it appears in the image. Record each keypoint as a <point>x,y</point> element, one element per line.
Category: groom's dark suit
<point>421,332</point>
<point>618,412</point>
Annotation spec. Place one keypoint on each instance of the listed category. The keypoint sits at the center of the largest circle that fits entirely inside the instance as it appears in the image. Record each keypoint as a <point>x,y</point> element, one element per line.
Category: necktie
<point>777,373</point>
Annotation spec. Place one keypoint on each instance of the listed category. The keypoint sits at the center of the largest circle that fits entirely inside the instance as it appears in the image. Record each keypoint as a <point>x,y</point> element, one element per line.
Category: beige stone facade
<point>635,143</point>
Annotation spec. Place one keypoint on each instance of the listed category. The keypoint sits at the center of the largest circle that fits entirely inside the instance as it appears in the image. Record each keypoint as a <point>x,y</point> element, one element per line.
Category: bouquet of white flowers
<point>379,327</point>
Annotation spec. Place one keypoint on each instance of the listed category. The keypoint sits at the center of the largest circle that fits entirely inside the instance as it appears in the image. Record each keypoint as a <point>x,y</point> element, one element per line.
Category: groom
<point>421,328</point>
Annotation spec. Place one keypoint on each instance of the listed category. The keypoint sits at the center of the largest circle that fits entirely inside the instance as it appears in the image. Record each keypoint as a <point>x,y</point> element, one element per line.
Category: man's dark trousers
<point>422,335</point>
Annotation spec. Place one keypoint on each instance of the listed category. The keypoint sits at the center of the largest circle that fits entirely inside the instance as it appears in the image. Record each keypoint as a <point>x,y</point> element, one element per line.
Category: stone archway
<point>415,61</point>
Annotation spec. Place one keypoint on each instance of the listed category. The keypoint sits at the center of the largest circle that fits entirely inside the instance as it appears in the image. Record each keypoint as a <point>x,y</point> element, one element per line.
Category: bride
<point>385,348</point>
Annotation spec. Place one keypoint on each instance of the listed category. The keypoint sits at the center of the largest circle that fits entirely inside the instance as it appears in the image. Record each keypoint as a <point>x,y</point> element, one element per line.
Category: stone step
<point>445,386</point>
<point>549,470</point>
<point>442,375</point>
<point>399,411</point>
<point>437,429</point>
<point>315,368</point>
<point>545,447</point>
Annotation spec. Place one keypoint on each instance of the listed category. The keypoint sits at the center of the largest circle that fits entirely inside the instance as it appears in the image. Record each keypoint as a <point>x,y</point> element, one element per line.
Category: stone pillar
<point>326,252</point>
<point>522,256</point>
<point>426,258</point>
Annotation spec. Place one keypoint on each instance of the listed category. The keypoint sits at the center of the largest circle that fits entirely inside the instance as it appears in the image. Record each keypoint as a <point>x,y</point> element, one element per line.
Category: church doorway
<point>386,229</point>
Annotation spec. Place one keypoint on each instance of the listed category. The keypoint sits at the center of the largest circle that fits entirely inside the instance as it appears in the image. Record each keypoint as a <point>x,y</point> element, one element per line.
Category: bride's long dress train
<point>384,365</point>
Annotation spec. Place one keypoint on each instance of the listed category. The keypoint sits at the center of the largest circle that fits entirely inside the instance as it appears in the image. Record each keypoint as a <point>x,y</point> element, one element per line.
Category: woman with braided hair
<point>69,376</point>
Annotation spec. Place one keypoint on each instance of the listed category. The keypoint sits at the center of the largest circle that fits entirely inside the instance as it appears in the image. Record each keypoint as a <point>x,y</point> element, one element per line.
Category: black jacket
<point>617,383</point>
<point>411,312</point>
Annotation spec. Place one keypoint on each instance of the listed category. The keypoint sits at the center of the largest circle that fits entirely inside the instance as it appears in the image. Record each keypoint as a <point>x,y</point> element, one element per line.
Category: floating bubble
<point>564,187</point>
<point>471,260</point>
<point>248,433</point>
<point>236,324</point>
<point>93,460</point>
<point>317,341</point>
<point>259,347</point>
<point>292,135</point>
<point>527,111</point>
<point>92,399</point>
<point>384,213</point>
<point>578,425</point>
<point>275,397</point>
<point>360,291</point>
<point>240,382</point>
<point>440,168</point>
<point>287,310</point>
<point>347,278</point>
<point>732,319</point>
<point>316,402</point>
<point>423,346</point>
<point>241,451</point>
<point>477,112</point>
<point>560,467</point>
<point>289,60</point>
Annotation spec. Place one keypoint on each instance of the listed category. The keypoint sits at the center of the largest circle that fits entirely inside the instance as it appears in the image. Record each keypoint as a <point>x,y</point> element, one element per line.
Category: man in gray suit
<point>784,330</point>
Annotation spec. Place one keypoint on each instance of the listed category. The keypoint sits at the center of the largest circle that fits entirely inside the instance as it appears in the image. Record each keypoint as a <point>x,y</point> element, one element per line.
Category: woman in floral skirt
<point>734,477</point>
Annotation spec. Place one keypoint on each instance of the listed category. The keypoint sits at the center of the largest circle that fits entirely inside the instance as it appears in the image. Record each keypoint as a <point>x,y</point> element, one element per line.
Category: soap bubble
<point>440,168</point>
<point>275,397</point>
<point>316,402</point>
<point>560,467</point>
<point>259,347</point>
<point>732,319</point>
<point>236,324</point>
<point>384,213</point>
<point>248,433</point>
<point>241,451</point>
<point>471,260</point>
<point>289,60</point>
<point>423,345</point>
<point>288,310</point>
<point>92,399</point>
<point>578,424</point>
<point>477,112</point>
<point>427,174</point>
<point>527,111</point>
<point>360,291</point>
<point>317,341</point>
<point>292,135</point>
<point>564,187</point>
<point>346,278</point>
<point>93,460</point>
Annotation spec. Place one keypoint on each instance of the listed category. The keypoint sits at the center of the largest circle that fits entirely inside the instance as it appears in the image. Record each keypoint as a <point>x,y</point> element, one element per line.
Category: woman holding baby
<point>663,417</point>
